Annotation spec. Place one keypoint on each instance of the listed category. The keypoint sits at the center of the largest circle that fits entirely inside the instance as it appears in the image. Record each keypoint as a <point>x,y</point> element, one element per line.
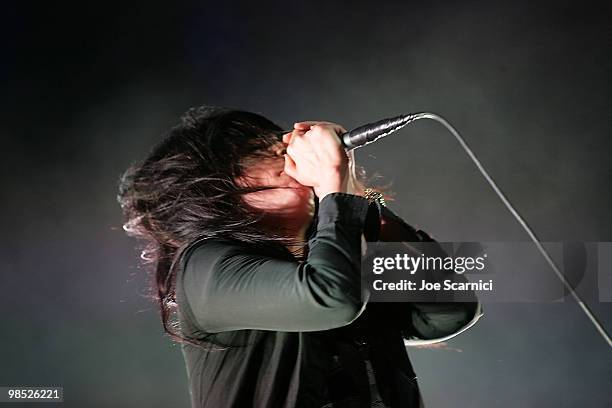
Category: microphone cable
<point>402,121</point>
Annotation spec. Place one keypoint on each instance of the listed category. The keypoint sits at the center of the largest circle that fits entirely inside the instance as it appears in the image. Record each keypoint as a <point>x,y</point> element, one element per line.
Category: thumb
<point>290,167</point>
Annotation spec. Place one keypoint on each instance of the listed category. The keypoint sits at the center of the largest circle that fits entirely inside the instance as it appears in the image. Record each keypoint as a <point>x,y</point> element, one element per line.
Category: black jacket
<point>281,326</point>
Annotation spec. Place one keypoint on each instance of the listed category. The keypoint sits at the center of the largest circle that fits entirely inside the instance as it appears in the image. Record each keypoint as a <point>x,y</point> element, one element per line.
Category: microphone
<point>371,132</point>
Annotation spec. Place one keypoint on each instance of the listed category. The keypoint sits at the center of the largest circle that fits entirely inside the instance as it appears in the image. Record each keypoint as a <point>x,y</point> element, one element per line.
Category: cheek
<point>289,202</point>
<point>296,201</point>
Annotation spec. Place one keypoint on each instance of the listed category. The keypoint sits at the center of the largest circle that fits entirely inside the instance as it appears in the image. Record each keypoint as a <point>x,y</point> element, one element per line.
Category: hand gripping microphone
<point>366,134</point>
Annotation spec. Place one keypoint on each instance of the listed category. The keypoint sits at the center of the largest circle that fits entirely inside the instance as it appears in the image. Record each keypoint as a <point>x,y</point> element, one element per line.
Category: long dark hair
<point>185,191</point>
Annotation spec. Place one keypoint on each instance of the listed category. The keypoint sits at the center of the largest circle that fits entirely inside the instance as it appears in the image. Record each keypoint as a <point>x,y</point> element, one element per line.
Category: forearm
<point>426,320</point>
<point>233,286</point>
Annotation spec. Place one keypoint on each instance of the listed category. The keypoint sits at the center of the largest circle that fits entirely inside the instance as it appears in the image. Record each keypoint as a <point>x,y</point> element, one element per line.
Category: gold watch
<point>374,196</point>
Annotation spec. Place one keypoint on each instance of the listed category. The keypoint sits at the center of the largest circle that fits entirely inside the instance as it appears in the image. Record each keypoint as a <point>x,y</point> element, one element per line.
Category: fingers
<point>296,141</point>
<point>306,125</point>
<point>302,125</point>
<point>324,136</point>
<point>287,138</point>
<point>319,140</point>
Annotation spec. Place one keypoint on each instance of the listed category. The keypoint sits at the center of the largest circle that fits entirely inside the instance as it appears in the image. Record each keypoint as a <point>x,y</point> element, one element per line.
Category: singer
<point>254,237</point>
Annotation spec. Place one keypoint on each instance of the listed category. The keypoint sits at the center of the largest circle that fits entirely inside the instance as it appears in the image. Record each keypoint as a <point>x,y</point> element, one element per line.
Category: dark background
<point>87,89</point>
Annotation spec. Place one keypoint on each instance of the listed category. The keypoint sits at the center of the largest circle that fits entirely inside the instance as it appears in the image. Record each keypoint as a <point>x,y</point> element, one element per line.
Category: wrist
<point>335,184</point>
<point>322,191</point>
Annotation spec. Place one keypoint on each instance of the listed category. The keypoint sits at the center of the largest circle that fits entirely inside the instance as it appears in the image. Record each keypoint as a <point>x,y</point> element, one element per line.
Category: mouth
<point>299,188</point>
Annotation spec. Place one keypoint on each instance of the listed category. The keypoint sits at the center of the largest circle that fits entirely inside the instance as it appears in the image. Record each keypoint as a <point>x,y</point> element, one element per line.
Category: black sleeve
<point>232,286</point>
<point>424,320</point>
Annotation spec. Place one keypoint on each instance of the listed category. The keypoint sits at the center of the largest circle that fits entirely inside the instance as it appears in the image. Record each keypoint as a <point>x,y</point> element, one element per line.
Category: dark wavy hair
<point>185,191</point>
